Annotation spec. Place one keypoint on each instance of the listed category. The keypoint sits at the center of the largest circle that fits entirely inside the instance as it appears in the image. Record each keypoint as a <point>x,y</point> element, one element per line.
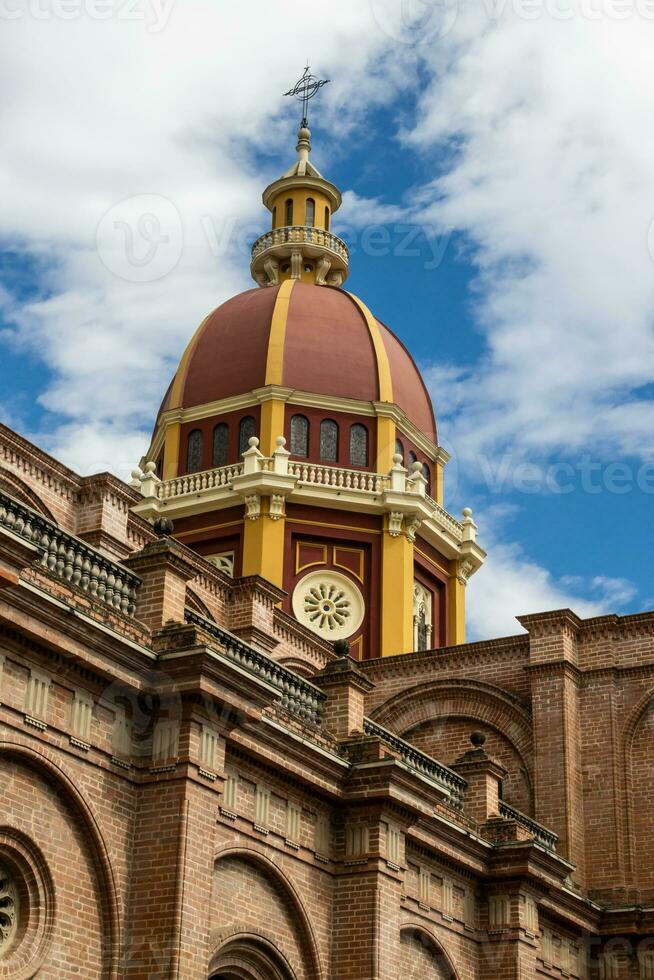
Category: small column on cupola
<point>300,244</point>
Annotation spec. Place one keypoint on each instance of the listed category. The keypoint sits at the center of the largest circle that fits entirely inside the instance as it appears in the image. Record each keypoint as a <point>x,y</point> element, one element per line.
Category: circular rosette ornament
<point>329,604</point>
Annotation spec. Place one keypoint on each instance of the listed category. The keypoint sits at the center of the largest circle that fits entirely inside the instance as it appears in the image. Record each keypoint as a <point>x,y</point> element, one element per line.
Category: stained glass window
<point>220,454</point>
<point>289,212</point>
<point>358,445</point>
<point>247,429</point>
<point>412,459</point>
<point>399,448</point>
<point>328,441</point>
<point>194,451</point>
<point>299,435</point>
<point>310,217</point>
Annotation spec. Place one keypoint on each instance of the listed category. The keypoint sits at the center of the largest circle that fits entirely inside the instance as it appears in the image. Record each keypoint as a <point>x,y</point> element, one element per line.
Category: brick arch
<point>441,963</point>
<point>56,775</point>
<point>443,701</point>
<point>254,956</point>
<point>15,487</point>
<point>637,791</point>
<point>270,870</point>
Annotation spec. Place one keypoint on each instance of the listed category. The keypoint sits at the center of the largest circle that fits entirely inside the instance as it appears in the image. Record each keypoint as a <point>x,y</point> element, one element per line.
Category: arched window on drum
<point>427,475</point>
<point>328,441</point>
<point>310,213</point>
<point>399,448</point>
<point>246,430</point>
<point>220,449</point>
<point>289,211</point>
<point>194,451</point>
<point>299,435</point>
<point>358,445</point>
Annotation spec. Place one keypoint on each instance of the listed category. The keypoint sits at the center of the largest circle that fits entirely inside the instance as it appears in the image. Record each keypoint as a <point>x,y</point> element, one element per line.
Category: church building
<point>242,735</point>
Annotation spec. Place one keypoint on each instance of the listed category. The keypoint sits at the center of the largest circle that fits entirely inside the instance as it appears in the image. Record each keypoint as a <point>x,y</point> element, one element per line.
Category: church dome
<point>318,339</point>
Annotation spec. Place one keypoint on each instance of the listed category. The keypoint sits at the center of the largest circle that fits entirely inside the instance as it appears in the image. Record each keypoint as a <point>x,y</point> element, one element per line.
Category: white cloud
<point>512,584</point>
<point>117,110</point>
<point>552,185</point>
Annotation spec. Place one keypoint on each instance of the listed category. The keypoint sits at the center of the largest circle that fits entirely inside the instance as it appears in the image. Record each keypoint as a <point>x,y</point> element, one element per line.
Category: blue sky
<point>498,195</point>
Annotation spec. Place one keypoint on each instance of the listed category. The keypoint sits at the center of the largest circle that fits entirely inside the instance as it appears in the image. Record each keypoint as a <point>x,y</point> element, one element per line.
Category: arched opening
<point>274,221</point>
<point>220,452</point>
<point>327,218</point>
<point>310,212</point>
<point>250,958</point>
<point>427,475</point>
<point>289,212</point>
<point>399,448</point>
<point>278,946</point>
<point>246,430</point>
<point>194,451</point>
<point>358,445</point>
<point>300,435</point>
<point>412,459</point>
<point>328,441</point>
<point>423,958</point>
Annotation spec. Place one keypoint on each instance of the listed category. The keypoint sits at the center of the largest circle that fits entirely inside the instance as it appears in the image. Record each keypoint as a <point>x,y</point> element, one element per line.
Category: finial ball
<point>280,442</point>
<point>467,512</point>
<point>163,527</point>
<point>417,467</point>
<point>478,739</point>
<point>253,442</point>
<point>397,459</point>
<point>150,467</point>
<point>342,648</point>
<point>136,474</point>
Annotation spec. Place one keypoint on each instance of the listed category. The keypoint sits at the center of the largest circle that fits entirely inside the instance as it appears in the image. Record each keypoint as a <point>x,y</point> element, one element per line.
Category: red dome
<point>318,339</point>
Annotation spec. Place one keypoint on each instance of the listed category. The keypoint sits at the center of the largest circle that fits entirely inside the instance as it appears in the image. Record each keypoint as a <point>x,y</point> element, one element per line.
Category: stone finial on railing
<point>398,474</point>
<point>251,457</point>
<point>137,477</point>
<point>416,482</point>
<point>150,480</point>
<point>469,526</point>
<point>280,456</point>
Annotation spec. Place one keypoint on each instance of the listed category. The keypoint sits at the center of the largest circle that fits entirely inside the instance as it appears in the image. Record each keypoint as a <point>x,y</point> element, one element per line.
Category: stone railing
<point>453,526</point>
<point>540,834</point>
<point>315,474</point>
<point>447,780</point>
<point>300,235</point>
<point>222,476</point>
<point>296,695</point>
<point>70,559</point>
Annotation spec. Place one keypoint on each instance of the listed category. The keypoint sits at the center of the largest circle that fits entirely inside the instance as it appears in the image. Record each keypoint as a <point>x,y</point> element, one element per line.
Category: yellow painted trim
<point>300,568</point>
<point>210,527</point>
<point>277,338</point>
<point>171,450</point>
<point>386,433</point>
<point>353,551</point>
<point>383,366</point>
<point>441,568</point>
<point>341,527</point>
<point>263,549</point>
<point>271,426</point>
<point>356,648</point>
<point>182,370</point>
<point>396,595</point>
<point>457,612</point>
<point>438,484</point>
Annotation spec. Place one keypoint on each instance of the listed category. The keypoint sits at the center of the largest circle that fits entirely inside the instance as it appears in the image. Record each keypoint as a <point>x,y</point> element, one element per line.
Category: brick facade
<point>195,786</point>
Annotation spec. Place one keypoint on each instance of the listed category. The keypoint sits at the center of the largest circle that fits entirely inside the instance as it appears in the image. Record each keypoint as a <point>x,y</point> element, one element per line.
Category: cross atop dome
<point>304,90</point>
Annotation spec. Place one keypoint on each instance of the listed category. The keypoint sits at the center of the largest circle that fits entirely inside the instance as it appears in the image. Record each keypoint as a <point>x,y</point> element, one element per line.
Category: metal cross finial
<point>304,89</point>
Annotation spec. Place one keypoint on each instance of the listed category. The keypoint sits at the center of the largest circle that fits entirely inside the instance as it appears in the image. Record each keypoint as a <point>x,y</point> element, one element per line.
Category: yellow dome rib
<point>277,337</point>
